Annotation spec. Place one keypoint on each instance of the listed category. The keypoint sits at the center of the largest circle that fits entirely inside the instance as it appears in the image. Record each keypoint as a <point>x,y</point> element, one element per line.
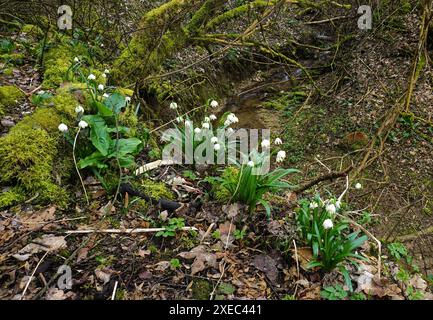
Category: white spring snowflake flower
<point>128,99</point>
<point>79,109</point>
<point>63,127</point>
<point>206,119</point>
<point>212,117</point>
<point>265,143</point>
<point>205,125</point>
<point>91,77</point>
<point>217,147</point>
<point>278,141</point>
<point>214,104</point>
<point>313,205</point>
<point>232,118</point>
<point>41,92</point>
<point>173,105</point>
<point>76,59</point>
<point>250,163</point>
<point>105,95</point>
<point>358,186</point>
<point>179,119</point>
<point>103,75</point>
<point>281,155</point>
<point>330,208</point>
<point>214,139</point>
<point>106,71</point>
<point>83,124</point>
<point>197,130</point>
<point>327,224</point>
<point>338,204</point>
<point>188,123</point>
<point>101,87</point>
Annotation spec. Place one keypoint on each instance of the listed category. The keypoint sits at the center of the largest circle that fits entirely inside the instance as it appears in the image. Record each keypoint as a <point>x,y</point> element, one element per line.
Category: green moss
<point>57,62</point>
<point>12,58</point>
<point>32,30</point>
<point>126,92</point>
<point>155,189</point>
<point>65,103</point>
<point>142,45</point>
<point>11,196</point>
<point>201,289</point>
<point>139,205</point>
<point>129,119</point>
<point>10,95</point>
<point>43,118</point>
<point>8,72</point>
<point>238,11</point>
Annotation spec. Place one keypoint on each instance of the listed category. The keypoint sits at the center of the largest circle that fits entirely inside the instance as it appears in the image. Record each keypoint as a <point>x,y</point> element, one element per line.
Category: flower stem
<point>76,166</point>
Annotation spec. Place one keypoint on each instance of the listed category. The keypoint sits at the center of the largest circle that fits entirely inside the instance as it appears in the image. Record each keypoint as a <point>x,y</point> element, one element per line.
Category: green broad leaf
<point>124,146</point>
<point>120,128</point>
<point>103,110</point>
<point>98,133</point>
<point>115,102</point>
<point>94,160</point>
<point>126,161</point>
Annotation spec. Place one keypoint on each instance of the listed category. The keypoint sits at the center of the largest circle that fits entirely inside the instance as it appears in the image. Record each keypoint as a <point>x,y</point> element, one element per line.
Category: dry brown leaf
<point>305,255</point>
<point>37,219</point>
<point>103,275</point>
<point>231,210</point>
<point>47,242</point>
<point>311,293</point>
<point>57,294</point>
<point>267,265</point>
<point>203,258</point>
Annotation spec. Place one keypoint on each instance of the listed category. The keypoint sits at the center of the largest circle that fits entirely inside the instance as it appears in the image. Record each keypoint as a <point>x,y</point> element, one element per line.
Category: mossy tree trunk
<point>164,30</point>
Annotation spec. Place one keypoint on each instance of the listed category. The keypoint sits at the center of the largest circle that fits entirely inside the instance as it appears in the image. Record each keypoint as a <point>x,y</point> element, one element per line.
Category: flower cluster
<point>79,110</point>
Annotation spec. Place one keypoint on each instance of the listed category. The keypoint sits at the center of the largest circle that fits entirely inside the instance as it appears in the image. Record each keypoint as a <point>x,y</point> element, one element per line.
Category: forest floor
<point>230,254</point>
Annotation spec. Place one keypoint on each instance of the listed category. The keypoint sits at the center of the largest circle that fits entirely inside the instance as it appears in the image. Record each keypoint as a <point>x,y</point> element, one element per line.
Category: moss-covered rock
<point>26,159</point>
<point>31,155</point>
<point>58,62</point>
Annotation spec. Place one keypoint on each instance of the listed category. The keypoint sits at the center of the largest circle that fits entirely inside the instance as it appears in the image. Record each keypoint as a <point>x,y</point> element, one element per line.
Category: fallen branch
<point>413,236</point>
<point>130,231</point>
<point>328,176</point>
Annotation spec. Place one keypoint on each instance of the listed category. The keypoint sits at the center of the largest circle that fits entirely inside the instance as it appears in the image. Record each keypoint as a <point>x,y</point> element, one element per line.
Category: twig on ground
<point>131,231</point>
<point>31,276</point>
<point>113,296</point>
